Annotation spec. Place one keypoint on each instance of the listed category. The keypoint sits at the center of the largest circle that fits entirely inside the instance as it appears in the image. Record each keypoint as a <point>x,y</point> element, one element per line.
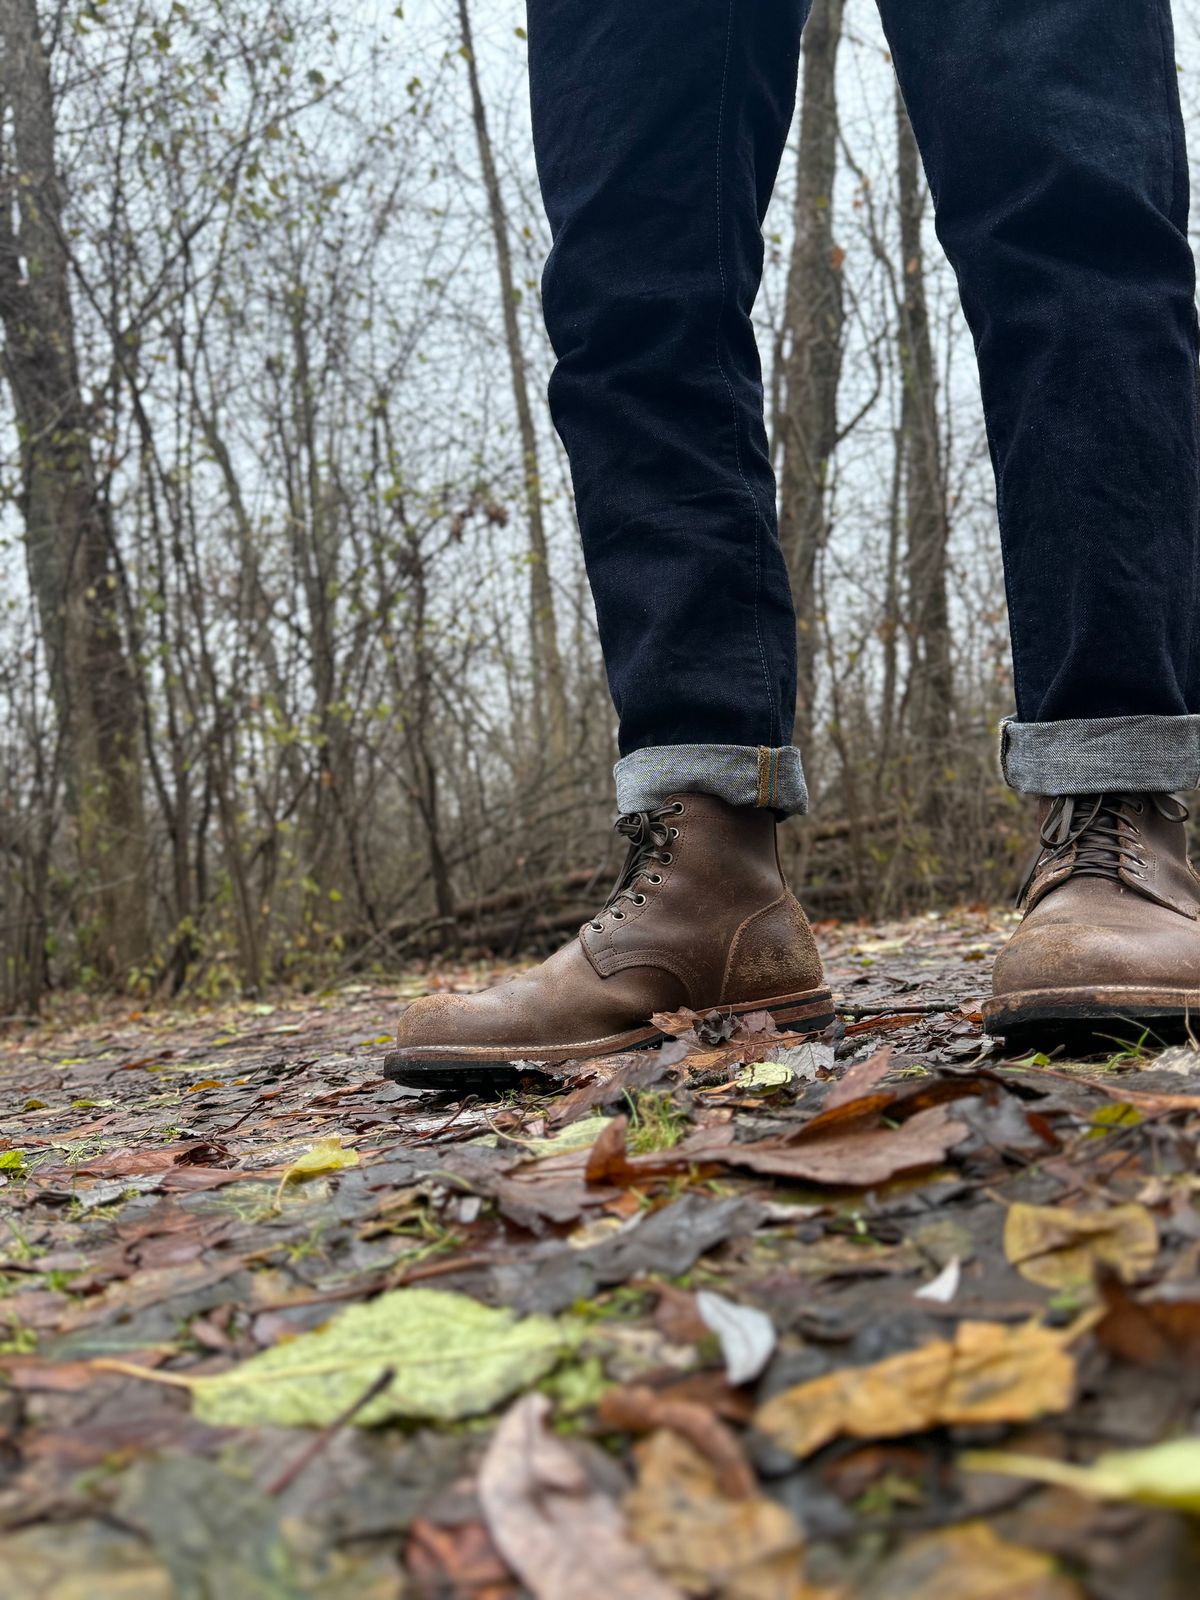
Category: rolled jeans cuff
<point>739,774</point>
<point>1141,755</point>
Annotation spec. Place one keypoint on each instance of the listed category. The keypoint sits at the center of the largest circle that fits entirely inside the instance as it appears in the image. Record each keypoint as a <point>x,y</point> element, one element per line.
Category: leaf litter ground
<point>884,1313</point>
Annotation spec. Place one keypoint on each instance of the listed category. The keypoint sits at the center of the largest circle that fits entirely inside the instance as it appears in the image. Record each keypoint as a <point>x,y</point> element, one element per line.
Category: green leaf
<point>451,1357</point>
<point>1165,1475</point>
<point>327,1155</point>
<point>763,1076</point>
<point>12,1161</point>
<point>579,1135</point>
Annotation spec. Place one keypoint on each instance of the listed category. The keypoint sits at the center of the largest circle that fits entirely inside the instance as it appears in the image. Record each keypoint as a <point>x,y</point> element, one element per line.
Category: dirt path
<point>607,1329</point>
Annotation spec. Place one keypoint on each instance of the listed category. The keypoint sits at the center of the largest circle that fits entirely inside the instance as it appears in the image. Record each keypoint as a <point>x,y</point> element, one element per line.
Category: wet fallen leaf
<point>747,1335</point>
<point>327,1155</point>
<point>575,1136</point>
<point>638,1410</point>
<point>987,1373</point>
<point>858,1158</point>
<point>708,1544</point>
<point>1165,1475</point>
<point>860,1078</point>
<point>452,1358</point>
<point>1061,1248</point>
<point>762,1077</point>
<point>563,1538</point>
<point>969,1563</point>
<point>458,1560</point>
<point>607,1159</point>
<point>1162,1326</point>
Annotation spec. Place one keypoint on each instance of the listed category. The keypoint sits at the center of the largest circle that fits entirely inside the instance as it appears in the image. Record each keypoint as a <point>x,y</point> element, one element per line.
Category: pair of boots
<point>701,916</point>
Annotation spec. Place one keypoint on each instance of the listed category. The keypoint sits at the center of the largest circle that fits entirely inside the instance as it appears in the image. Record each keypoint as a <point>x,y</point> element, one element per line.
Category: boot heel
<point>809,1012</point>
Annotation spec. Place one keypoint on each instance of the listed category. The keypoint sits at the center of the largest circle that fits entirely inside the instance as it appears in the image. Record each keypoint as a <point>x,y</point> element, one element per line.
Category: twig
<point>290,1473</point>
<point>925,1010</point>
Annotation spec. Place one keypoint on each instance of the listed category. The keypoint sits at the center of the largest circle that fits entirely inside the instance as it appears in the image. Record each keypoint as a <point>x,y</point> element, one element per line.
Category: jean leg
<point>658,130</point>
<point>1052,137</point>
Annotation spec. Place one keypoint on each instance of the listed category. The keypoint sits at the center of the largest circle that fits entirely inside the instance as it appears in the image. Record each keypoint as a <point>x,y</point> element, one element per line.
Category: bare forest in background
<point>298,671</point>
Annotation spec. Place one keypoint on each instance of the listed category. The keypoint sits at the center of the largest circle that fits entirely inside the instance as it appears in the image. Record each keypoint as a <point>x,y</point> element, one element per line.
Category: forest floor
<point>751,1318</point>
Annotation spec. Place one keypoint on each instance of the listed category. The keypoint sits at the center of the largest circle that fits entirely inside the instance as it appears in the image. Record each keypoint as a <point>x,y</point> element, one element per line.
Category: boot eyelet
<point>677,808</point>
<point>639,899</point>
<point>654,877</point>
<point>618,916</point>
<point>666,858</point>
<point>596,927</point>
<point>674,833</point>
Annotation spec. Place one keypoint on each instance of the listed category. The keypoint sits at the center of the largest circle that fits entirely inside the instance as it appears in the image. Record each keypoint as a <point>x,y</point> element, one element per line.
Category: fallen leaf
<point>1161,1327</point>
<point>1060,1248</point>
<point>761,1077</point>
<point>607,1160</point>
<point>807,1061</point>
<point>575,1136</point>
<point>327,1155</point>
<point>562,1538</point>
<point>860,1157</point>
<point>456,1560</point>
<point>860,1079</point>
<point>638,1409</point>
<point>708,1544</point>
<point>969,1563</point>
<point>676,1315</point>
<point>942,1289</point>
<point>987,1373</point>
<point>452,1358</point>
<point>747,1335</point>
<point>1165,1475</point>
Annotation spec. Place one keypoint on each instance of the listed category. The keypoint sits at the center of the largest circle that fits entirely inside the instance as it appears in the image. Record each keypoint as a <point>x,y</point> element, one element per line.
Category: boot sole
<point>487,1067</point>
<point>1083,1010</point>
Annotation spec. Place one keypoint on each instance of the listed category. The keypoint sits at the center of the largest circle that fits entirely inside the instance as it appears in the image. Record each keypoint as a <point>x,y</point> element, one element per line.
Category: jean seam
<point>737,446</point>
<point>1178,158</point>
<point>1168,67</point>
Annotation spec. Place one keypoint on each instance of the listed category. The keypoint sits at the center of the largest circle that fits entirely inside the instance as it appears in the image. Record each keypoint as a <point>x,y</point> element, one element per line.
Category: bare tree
<point>811,355</point>
<point>931,681</point>
<point>543,629</point>
<point>71,552</point>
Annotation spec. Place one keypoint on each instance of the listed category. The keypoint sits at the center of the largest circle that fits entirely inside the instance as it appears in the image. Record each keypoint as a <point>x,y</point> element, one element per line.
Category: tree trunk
<point>931,685</point>
<point>812,346</point>
<point>548,668</point>
<point>68,538</point>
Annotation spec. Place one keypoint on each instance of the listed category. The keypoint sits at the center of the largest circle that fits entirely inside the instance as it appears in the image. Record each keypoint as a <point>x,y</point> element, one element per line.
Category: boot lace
<point>1103,830</point>
<point>649,834</point>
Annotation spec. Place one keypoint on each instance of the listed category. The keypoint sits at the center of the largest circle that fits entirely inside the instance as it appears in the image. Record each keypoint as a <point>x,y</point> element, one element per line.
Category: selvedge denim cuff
<point>739,774</point>
<point>1140,755</point>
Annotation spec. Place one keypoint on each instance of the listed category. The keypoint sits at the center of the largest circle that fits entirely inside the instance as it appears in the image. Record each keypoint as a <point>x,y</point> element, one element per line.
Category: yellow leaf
<point>1165,1475</point>
<point>989,1373</point>
<point>327,1155</point>
<point>969,1563</point>
<point>706,1543</point>
<point>1060,1248</point>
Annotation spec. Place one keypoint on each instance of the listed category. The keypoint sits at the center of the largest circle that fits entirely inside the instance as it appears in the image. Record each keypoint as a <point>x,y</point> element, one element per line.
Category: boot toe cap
<point>441,1019</point>
<point>1069,955</point>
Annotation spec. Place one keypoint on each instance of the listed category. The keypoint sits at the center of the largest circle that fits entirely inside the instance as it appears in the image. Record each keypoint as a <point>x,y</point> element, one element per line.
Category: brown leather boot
<point>700,916</point>
<point>1112,920</point>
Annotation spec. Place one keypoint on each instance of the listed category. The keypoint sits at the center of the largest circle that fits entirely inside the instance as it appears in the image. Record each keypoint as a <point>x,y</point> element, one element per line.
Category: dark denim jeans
<point>1053,141</point>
